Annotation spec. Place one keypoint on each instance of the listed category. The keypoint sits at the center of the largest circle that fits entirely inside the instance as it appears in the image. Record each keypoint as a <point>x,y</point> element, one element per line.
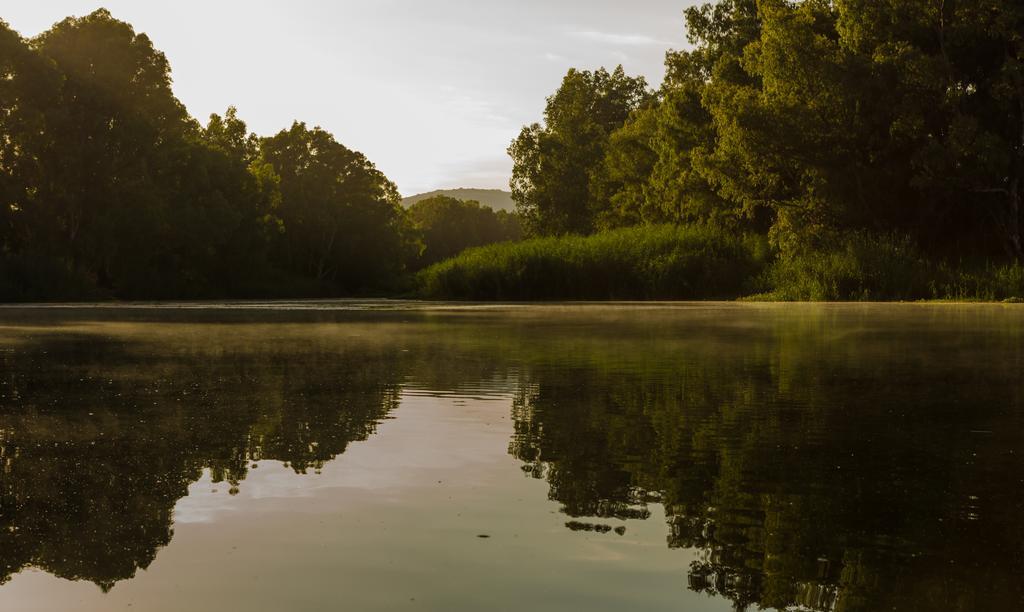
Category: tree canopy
<point>109,188</point>
<point>341,215</point>
<point>806,120</point>
<point>555,179</point>
<point>813,124</point>
<point>447,226</point>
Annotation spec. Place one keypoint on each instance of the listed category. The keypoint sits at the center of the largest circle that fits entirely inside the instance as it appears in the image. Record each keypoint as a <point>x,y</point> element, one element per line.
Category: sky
<point>432,91</point>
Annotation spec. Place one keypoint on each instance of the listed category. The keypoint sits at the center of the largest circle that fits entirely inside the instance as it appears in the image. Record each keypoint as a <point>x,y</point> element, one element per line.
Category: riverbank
<point>689,262</point>
<point>645,263</point>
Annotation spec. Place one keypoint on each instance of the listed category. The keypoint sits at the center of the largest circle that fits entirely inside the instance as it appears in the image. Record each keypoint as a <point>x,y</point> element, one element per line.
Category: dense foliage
<point>447,226</point>
<point>806,121</point>
<point>666,262</point>
<point>877,147</point>
<point>556,178</point>
<point>109,188</point>
<point>658,262</point>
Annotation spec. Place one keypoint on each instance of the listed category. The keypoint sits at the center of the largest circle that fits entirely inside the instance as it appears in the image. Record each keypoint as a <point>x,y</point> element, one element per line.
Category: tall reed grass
<point>699,262</point>
<point>649,262</point>
<point>872,268</point>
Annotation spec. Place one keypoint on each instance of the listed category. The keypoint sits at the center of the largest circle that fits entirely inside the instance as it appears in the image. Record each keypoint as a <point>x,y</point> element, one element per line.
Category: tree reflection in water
<point>96,453</point>
<point>827,459</point>
<point>880,472</point>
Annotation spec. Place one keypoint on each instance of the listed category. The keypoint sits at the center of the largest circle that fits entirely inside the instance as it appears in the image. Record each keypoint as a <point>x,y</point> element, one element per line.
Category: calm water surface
<point>425,457</point>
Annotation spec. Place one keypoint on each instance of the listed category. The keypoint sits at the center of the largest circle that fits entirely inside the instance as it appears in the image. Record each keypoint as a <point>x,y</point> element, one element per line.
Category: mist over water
<point>380,455</point>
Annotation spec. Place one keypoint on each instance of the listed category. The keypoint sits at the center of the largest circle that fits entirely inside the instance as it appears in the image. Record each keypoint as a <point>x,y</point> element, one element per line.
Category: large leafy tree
<point>118,130</point>
<point>624,176</point>
<point>447,226</point>
<point>655,165</point>
<point>230,135</point>
<point>899,116</point>
<point>558,165</point>
<point>788,137</point>
<point>954,79</point>
<point>341,215</point>
<point>106,181</point>
<point>824,118</point>
<point>221,211</point>
<point>110,182</point>
<point>29,90</point>
<point>686,135</point>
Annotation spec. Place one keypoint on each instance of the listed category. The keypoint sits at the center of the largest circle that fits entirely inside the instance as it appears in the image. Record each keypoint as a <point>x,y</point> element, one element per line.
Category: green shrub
<point>861,268</point>
<point>648,262</point>
<point>864,267</point>
<point>982,283</point>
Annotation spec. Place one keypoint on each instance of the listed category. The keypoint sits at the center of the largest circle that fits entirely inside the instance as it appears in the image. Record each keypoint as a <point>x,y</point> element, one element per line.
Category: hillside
<point>495,198</point>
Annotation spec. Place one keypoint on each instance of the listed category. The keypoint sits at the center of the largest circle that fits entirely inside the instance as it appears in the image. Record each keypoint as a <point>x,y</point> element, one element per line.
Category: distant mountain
<point>495,198</point>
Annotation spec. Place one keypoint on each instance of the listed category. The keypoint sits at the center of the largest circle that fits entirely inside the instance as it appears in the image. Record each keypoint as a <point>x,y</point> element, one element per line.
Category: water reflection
<point>839,464</point>
<point>857,458</point>
<point>102,433</point>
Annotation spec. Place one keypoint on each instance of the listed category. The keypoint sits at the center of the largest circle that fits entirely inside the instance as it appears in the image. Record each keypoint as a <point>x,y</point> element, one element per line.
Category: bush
<point>648,262</point>
<point>861,268</point>
<point>864,267</point>
<point>982,283</point>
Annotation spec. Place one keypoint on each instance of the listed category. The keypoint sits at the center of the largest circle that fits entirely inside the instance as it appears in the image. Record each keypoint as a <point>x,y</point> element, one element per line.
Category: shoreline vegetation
<point>700,263</point>
<point>822,150</point>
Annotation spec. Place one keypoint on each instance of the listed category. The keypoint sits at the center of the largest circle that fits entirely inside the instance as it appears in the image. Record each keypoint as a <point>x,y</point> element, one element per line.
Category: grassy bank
<point>864,268</point>
<point>659,262</point>
<point>686,262</point>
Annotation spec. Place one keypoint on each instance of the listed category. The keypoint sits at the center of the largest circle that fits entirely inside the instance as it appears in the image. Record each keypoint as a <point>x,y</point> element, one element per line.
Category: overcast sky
<point>432,91</point>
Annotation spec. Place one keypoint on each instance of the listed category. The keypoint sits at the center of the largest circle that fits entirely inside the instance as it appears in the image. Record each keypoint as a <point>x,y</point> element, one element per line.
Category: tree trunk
<point>325,253</point>
<point>1013,220</point>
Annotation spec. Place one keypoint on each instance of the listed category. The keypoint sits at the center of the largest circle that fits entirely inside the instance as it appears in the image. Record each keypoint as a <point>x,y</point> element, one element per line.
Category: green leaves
<point>805,120</point>
<point>106,181</point>
<point>341,215</point>
<point>557,166</point>
<point>447,226</point>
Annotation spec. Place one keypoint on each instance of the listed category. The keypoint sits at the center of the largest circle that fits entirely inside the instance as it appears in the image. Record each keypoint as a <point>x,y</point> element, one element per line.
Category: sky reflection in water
<point>698,457</point>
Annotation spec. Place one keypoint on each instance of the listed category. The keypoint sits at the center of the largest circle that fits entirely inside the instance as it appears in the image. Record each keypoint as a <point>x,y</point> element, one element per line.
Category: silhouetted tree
<point>448,226</point>
<point>342,217</point>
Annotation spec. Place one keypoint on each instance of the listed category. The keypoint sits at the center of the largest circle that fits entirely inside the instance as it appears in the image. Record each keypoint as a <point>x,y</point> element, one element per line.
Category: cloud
<point>631,40</point>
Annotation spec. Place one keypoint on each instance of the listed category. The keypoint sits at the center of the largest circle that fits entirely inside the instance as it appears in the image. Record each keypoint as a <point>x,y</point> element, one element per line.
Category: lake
<point>392,456</point>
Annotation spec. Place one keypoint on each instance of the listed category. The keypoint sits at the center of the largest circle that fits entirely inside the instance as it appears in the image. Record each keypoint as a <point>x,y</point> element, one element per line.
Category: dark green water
<point>381,457</point>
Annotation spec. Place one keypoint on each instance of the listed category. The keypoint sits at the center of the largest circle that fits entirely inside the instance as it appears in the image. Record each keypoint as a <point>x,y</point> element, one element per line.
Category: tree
<point>955,76</point>
<point>447,226</point>
<point>107,182</point>
<point>223,207</point>
<point>29,90</point>
<point>686,134</point>
<point>341,215</point>
<point>128,191</point>
<point>231,135</point>
<point>116,130</point>
<point>788,139</point>
<point>903,116</point>
<point>652,169</point>
<point>555,166</point>
<point>623,178</point>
